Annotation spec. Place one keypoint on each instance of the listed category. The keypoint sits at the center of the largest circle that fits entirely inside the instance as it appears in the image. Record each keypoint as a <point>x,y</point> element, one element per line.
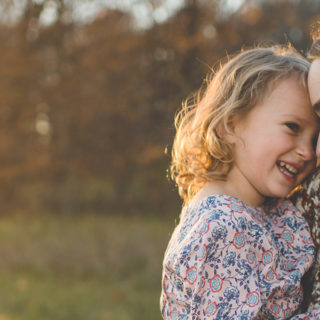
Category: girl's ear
<point>227,131</point>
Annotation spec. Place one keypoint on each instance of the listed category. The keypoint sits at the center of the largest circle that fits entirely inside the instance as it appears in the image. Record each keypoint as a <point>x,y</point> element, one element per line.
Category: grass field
<point>81,267</point>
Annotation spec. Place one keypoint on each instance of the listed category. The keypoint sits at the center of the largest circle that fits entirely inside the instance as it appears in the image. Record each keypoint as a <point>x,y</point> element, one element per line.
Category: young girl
<point>250,137</point>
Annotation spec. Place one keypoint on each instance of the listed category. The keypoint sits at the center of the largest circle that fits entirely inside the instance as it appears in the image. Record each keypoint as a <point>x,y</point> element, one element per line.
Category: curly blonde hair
<point>199,152</point>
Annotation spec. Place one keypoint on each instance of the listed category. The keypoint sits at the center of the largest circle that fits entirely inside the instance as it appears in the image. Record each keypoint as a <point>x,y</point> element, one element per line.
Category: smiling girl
<point>250,137</point>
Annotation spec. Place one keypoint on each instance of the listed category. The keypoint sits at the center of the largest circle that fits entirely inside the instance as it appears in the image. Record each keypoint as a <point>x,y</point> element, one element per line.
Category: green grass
<point>86,267</point>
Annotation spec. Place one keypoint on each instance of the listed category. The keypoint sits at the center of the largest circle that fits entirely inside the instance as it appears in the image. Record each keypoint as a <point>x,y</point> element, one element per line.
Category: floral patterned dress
<point>227,260</point>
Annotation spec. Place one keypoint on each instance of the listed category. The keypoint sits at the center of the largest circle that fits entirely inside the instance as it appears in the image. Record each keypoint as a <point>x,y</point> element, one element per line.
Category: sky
<point>84,11</point>
<point>143,11</point>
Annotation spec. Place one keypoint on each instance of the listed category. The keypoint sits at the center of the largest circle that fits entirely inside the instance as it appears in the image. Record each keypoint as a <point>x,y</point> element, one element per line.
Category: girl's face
<point>274,147</point>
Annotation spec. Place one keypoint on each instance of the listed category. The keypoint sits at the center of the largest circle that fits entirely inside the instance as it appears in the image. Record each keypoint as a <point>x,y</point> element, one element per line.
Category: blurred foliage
<point>86,109</point>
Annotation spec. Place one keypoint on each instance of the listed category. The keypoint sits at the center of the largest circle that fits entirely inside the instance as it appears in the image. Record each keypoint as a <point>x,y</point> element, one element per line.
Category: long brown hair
<point>314,52</point>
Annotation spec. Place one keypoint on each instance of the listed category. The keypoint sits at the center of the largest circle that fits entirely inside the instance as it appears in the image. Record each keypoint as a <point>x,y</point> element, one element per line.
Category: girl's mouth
<point>290,172</point>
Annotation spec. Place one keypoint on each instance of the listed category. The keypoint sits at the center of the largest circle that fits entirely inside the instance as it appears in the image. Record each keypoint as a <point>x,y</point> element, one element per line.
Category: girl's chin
<point>281,193</point>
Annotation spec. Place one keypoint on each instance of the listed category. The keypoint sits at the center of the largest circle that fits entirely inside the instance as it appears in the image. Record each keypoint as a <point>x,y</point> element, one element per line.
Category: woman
<point>307,198</point>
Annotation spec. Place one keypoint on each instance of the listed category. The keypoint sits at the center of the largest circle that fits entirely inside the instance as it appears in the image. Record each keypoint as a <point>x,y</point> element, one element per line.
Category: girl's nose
<point>306,151</point>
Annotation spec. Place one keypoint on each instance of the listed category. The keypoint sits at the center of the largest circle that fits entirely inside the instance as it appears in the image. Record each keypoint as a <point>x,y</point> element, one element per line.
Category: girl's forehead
<point>287,97</point>
<point>287,89</point>
<point>286,83</point>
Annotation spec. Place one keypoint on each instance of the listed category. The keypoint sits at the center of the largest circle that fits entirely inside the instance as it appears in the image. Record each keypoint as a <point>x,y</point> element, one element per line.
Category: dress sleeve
<point>228,271</point>
<point>221,272</point>
<point>314,315</point>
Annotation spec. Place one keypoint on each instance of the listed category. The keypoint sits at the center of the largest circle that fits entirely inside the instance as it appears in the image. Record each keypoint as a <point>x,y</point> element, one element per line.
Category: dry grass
<point>87,267</point>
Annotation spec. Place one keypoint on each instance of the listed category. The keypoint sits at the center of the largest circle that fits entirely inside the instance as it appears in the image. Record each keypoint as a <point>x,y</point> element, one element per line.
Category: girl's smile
<point>288,170</point>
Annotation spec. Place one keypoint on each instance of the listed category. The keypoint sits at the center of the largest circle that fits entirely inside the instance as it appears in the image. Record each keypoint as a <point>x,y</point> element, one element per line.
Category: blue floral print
<point>226,260</point>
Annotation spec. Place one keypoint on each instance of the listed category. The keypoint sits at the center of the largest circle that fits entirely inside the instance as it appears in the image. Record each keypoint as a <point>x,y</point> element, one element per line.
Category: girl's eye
<point>293,126</point>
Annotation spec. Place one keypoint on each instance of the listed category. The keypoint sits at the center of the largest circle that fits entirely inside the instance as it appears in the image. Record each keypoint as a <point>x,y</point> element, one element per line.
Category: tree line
<point>86,109</point>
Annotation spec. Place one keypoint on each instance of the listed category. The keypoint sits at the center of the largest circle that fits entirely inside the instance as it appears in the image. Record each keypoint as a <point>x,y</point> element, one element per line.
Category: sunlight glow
<point>144,12</point>
<point>42,124</point>
<point>49,14</point>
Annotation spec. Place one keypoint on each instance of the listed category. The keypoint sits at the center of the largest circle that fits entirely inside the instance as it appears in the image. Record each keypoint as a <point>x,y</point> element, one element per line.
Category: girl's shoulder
<point>222,201</point>
<point>212,220</point>
<point>224,209</point>
<point>217,208</point>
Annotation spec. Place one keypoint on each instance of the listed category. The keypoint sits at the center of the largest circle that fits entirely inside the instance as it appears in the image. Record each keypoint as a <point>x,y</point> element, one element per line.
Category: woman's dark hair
<point>314,52</point>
